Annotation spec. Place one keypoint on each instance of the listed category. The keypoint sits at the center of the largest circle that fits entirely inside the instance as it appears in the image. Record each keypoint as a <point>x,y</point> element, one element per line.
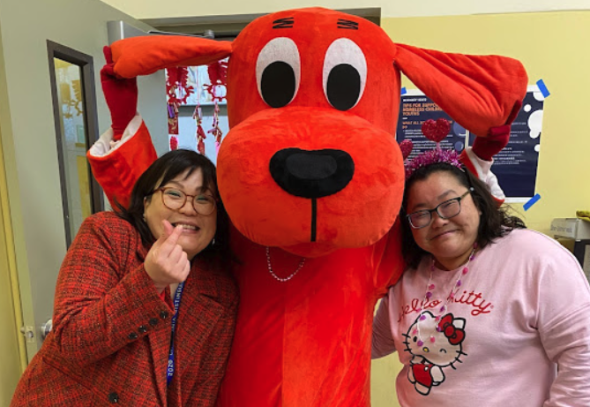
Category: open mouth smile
<point>187,227</point>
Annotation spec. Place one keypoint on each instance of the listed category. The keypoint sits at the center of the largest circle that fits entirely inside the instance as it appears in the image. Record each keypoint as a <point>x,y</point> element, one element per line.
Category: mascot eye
<point>345,74</point>
<point>278,72</point>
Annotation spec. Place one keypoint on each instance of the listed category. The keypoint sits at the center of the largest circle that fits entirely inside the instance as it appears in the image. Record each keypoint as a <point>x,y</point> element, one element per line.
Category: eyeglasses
<point>174,199</point>
<point>445,210</point>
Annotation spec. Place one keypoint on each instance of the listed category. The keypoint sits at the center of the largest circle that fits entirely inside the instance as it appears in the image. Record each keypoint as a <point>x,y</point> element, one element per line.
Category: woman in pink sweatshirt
<point>489,313</point>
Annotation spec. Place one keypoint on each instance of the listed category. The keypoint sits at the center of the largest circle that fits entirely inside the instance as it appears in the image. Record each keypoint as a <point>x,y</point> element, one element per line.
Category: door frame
<point>86,64</point>
<point>9,250</point>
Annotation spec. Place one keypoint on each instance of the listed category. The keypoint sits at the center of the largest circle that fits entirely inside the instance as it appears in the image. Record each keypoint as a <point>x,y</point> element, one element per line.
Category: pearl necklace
<point>272,273</point>
<point>428,294</point>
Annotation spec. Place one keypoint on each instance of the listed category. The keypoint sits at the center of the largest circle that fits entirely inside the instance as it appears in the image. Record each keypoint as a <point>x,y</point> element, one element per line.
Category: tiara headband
<point>435,131</point>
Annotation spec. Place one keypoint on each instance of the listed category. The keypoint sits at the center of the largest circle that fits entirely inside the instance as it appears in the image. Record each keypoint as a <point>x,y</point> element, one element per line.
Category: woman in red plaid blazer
<point>116,296</point>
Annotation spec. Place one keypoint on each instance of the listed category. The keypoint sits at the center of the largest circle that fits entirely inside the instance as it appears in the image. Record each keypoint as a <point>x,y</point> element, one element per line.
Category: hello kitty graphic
<point>435,343</point>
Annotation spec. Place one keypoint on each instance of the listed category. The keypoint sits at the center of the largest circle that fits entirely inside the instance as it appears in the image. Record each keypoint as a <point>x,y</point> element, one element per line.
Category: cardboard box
<point>570,228</point>
<point>586,263</point>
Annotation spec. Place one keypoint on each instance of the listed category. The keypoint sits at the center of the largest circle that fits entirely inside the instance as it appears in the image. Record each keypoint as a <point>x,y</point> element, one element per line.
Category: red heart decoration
<point>436,130</point>
<point>406,146</point>
<point>173,143</point>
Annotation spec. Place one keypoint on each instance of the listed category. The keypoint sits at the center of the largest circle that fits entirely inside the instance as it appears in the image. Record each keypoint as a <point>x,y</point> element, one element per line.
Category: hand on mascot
<point>167,263</point>
<point>487,147</point>
<point>120,95</point>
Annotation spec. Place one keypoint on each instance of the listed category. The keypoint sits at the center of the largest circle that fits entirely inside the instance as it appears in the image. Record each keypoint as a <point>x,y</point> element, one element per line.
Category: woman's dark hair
<point>494,221</point>
<point>162,171</point>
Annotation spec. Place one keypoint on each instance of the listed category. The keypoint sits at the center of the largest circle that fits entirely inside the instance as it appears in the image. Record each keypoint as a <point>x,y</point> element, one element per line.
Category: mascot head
<point>311,164</point>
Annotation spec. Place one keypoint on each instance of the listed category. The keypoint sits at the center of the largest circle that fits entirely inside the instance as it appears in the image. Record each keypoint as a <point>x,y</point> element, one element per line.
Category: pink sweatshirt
<point>522,310</point>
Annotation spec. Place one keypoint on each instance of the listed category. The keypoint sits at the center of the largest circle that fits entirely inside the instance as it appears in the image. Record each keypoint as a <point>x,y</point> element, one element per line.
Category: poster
<point>515,166</point>
<point>415,109</point>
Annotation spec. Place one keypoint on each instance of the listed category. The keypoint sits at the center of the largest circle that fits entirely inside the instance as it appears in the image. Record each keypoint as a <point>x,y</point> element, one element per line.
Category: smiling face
<point>450,241</point>
<point>198,230</point>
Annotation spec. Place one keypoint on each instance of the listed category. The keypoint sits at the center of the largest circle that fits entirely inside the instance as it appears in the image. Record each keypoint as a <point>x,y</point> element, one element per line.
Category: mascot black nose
<point>311,174</point>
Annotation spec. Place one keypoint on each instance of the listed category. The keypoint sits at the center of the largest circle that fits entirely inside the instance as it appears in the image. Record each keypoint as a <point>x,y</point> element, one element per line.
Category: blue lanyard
<point>170,370</point>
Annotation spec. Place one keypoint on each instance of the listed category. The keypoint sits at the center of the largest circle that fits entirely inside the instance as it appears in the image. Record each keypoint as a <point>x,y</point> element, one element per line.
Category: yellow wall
<point>144,9</point>
<point>383,374</point>
<point>12,356</point>
<point>10,363</point>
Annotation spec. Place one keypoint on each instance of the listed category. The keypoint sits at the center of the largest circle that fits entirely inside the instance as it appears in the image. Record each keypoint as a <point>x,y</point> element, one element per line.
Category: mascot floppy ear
<point>146,55</point>
<point>482,93</point>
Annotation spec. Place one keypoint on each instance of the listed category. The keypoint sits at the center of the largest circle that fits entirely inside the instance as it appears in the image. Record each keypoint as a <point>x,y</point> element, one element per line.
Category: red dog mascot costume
<point>312,178</point>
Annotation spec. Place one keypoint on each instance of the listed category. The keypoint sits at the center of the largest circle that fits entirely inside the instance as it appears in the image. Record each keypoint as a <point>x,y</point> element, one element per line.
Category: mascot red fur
<point>312,178</point>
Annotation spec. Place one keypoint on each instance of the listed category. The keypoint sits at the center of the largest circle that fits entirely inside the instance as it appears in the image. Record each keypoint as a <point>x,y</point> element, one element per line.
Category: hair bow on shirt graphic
<point>455,335</point>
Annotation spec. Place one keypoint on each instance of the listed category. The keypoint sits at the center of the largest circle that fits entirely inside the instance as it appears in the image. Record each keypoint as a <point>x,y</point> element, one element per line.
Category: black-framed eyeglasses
<point>445,210</point>
<point>174,199</point>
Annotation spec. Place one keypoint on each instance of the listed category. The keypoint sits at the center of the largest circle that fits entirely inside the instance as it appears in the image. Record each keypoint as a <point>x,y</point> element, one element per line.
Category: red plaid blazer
<point>112,330</point>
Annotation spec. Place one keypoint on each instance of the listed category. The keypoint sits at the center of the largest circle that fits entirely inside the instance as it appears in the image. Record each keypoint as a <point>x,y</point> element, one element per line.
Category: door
<point>41,94</point>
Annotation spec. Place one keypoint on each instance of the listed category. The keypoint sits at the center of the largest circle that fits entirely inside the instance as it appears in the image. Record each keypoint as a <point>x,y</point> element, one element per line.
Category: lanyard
<point>170,370</point>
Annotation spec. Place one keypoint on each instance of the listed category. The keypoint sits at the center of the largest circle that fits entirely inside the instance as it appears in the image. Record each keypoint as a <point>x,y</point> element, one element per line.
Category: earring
<point>213,242</point>
<point>144,218</point>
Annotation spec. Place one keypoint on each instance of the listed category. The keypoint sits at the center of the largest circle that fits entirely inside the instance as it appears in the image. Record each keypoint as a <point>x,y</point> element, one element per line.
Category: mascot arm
<point>117,165</point>
<point>482,170</point>
<point>120,94</point>
<point>479,158</point>
<point>388,259</point>
<point>124,151</point>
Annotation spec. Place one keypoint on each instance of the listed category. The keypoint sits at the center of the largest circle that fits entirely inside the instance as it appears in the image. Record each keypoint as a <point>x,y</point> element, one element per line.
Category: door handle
<point>46,328</point>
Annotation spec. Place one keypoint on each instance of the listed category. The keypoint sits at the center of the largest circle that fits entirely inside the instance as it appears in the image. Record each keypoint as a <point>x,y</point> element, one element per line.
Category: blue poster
<point>515,166</point>
<point>414,111</point>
